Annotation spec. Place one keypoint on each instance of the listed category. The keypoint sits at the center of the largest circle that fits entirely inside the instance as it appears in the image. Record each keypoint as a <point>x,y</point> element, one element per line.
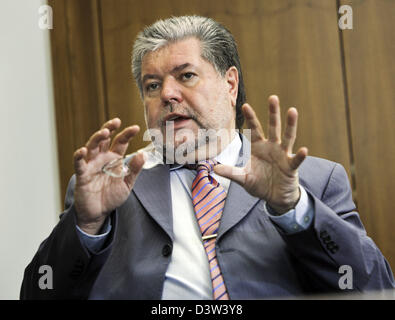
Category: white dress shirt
<point>188,275</point>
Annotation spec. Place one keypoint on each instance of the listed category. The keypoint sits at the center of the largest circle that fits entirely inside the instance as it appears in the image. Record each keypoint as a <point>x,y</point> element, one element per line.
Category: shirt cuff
<point>94,243</point>
<point>297,219</point>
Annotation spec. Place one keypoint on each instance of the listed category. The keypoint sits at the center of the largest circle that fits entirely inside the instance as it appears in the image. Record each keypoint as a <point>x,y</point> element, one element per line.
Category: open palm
<point>271,172</point>
<point>96,194</point>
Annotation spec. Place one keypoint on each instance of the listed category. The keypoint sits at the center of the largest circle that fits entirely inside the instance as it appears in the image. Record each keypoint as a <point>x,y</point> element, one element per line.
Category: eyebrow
<point>180,67</point>
<point>174,70</point>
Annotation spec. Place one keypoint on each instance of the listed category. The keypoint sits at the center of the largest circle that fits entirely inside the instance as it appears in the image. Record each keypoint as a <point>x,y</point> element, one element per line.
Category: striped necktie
<point>208,199</point>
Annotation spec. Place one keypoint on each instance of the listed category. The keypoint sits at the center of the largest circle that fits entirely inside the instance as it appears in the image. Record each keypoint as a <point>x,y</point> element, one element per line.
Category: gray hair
<point>218,48</point>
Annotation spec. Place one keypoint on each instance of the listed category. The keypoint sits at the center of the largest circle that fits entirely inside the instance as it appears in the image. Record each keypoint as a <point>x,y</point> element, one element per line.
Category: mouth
<point>177,119</point>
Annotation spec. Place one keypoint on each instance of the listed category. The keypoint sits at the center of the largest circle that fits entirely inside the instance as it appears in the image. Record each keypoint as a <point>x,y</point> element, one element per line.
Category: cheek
<point>204,103</point>
<point>152,114</point>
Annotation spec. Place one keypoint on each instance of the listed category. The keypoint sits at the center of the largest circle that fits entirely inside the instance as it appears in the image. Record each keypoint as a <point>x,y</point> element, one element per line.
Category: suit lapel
<point>152,188</point>
<point>238,202</point>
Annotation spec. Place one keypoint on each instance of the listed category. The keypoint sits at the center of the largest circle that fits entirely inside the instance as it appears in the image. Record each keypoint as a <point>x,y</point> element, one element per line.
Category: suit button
<point>166,250</point>
<point>332,247</point>
<point>324,234</point>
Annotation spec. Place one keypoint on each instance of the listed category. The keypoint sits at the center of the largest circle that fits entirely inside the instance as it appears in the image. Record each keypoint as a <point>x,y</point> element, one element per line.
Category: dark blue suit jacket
<point>257,259</point>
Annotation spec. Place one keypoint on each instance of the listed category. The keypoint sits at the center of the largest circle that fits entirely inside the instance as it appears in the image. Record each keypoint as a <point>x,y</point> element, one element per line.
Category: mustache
<point>177,108</point>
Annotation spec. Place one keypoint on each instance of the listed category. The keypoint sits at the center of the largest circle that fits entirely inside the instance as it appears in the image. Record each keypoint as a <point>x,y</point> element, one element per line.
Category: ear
<point>232,79</point>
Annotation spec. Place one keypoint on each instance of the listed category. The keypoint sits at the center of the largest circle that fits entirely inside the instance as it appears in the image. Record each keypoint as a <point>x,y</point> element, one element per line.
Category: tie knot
<point>207,165</point>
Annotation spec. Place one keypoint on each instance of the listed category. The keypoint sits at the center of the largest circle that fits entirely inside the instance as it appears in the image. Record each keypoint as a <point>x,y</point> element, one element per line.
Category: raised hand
<point>272,171</point>
<point>96,194</point>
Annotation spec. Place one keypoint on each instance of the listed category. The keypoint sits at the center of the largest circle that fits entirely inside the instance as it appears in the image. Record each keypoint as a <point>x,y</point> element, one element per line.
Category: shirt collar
<point>228,156</point>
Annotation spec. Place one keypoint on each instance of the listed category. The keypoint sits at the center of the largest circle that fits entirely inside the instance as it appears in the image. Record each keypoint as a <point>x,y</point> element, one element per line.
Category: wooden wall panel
<point>289,48</point>
<point>78,78</point>
<point>370,68</point>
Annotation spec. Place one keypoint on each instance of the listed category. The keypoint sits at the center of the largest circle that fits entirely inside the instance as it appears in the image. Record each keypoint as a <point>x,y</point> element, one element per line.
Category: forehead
<point>178,53</point>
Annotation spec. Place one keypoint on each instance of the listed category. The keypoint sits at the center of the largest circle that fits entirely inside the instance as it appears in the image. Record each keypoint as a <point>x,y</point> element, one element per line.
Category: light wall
<point>29,182</point>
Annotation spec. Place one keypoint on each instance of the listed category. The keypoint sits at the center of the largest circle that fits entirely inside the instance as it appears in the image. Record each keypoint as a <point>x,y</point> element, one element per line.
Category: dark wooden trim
<point>77,58</point>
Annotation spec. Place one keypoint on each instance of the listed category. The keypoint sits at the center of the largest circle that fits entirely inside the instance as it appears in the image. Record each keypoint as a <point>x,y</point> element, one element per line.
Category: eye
<point>152,86</point>
<point>187,76</point>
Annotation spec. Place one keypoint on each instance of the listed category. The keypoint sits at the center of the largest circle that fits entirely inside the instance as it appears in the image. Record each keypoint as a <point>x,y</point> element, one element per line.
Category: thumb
<point>235,174</point>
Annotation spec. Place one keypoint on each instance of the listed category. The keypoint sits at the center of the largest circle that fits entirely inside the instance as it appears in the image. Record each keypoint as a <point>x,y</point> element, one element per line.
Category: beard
<point>186,146</point>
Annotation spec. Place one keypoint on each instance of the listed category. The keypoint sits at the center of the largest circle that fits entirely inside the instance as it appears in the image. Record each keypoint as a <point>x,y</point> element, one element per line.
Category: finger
<point>105,144</point>
<point>112,125</point>
<point>79,160</point>
<point>93,144</point>
<point>289,136</point>
<point>298,158</point>
<point>252,123</point>
<point>274,130</point>
<point>121,140</point>
<point>135,165</point>
<point>236,174</point>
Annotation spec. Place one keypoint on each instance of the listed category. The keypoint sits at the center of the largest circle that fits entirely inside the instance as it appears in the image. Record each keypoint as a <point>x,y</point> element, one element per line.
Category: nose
<point>171,91</point>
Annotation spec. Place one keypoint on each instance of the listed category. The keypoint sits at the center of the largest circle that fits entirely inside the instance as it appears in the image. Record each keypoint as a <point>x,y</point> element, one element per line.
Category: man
<point>237,225</point>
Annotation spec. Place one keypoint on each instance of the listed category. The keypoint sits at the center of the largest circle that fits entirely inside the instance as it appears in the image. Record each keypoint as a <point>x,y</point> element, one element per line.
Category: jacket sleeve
<point>74,268</point>
<point>337,238</point>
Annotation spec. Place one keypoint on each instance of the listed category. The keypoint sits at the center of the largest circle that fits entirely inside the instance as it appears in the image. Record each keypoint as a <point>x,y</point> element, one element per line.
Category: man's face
<point>183,90</point>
